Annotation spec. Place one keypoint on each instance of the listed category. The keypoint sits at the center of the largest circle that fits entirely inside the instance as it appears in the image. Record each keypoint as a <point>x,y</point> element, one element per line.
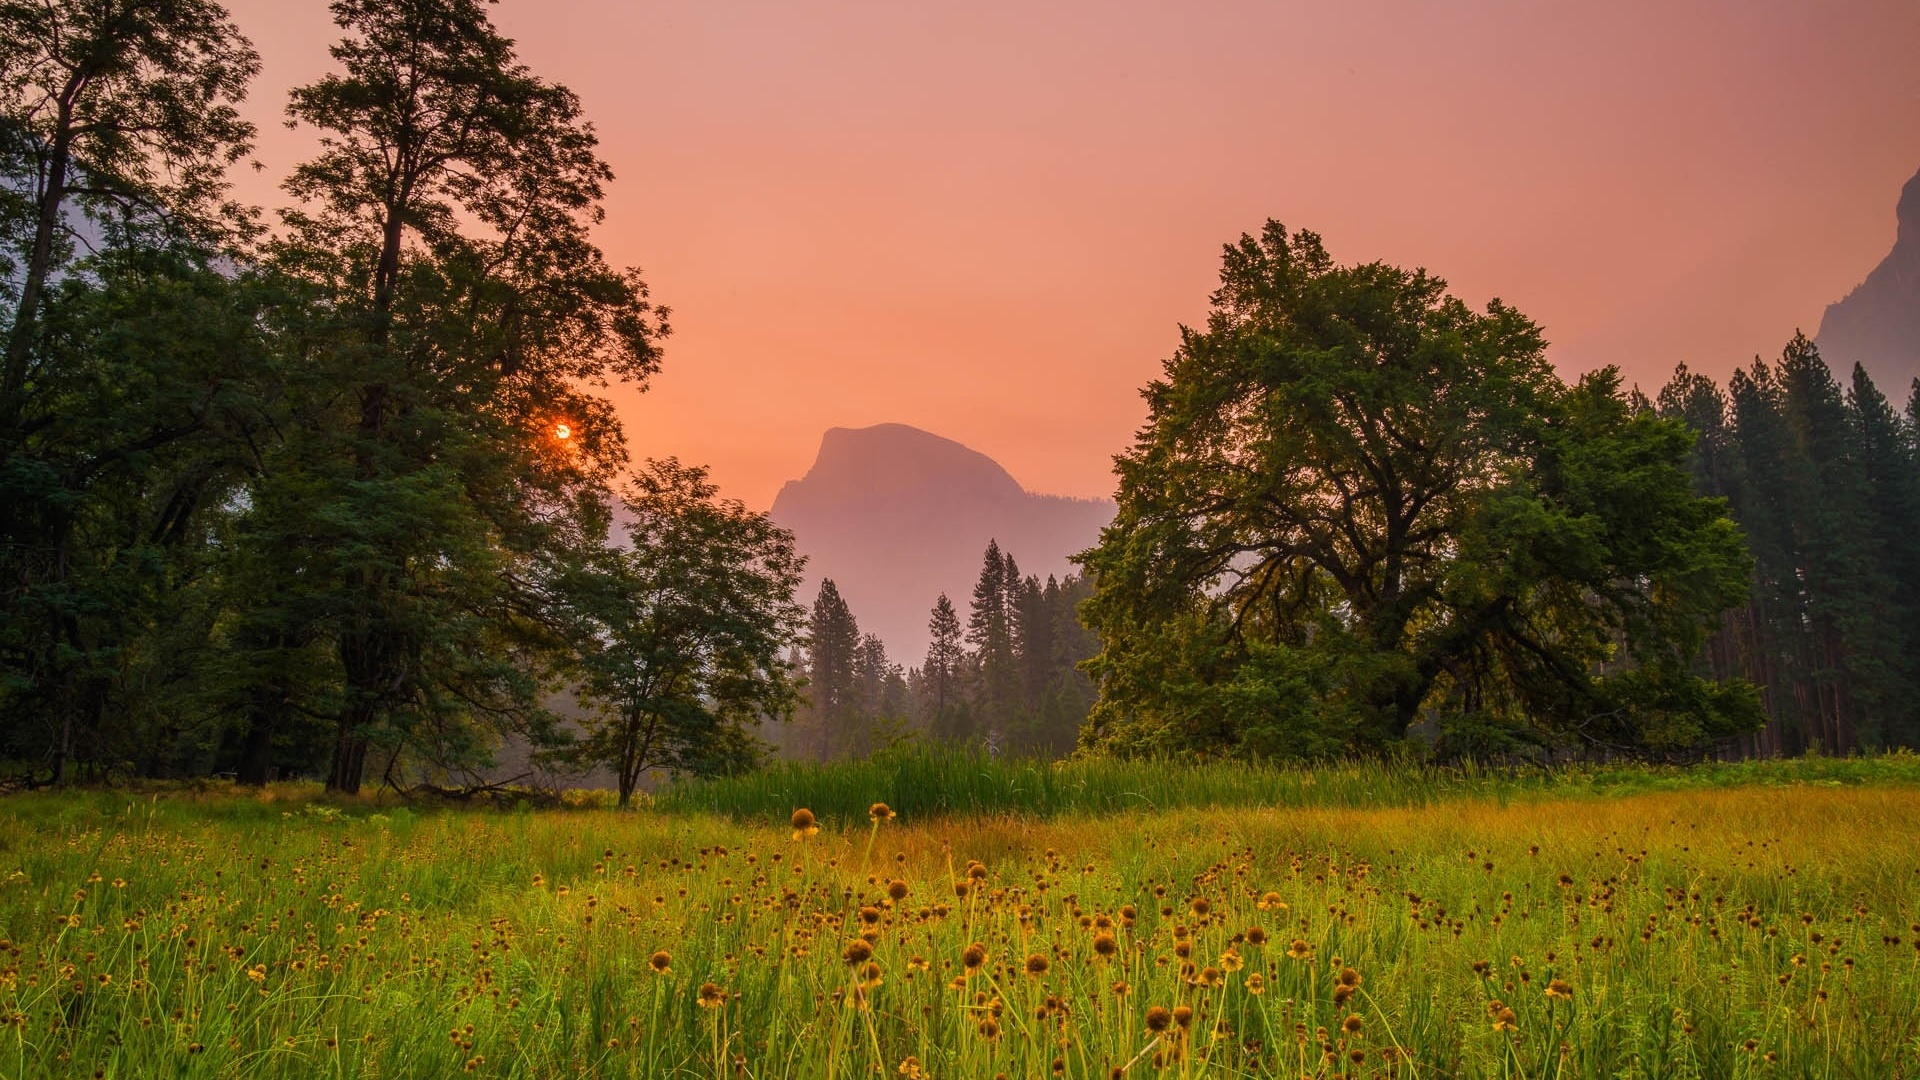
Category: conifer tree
<point>1891,470</point>
<point>941,675</point>
<point>990,632</point>
<point>833,689</point>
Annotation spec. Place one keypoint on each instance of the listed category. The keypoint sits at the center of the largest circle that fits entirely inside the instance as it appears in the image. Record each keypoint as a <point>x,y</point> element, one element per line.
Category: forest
<point>340,493</point>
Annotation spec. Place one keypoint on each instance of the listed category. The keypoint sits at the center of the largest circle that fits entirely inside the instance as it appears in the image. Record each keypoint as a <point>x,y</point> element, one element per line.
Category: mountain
<point>1878,324</point>
<point>896,516</point>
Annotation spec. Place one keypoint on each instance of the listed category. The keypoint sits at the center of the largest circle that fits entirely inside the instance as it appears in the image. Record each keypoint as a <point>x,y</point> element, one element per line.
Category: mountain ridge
<point>1877,324</point>
<point>896,515</point>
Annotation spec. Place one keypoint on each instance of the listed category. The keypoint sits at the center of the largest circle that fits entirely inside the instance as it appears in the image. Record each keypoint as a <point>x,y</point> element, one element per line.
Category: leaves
<point>1357,502</point>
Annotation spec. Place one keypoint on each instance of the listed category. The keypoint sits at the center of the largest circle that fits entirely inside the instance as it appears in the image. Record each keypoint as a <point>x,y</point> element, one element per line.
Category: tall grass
<point>926,782</point>
<point>1755,922</point>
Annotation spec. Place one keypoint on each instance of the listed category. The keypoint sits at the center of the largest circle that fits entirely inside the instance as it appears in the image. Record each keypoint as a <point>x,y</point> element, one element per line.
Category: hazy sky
<point>988,219</point>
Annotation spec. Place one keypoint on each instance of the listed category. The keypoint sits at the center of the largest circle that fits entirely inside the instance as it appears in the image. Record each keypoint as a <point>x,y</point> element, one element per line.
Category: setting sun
<point>562,431</point>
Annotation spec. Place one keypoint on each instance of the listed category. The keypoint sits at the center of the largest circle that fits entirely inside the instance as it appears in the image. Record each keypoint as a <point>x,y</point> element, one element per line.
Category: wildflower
<point>973,956</point>
<point>1158,1018</point>
<point>1200,905</point>
<point>1271,902</point>
<point>1183,1015</point>
<point>1104,946</point>
<point>803,824</point>
<point>911,1069</point>
<point>1350,977</point>
<point>711,996</point>
<point>1505,1020</point>
<point>1256,936</point>
<point>1299,950</point>
<point>857,952</point>
<point>660,961</point>
<point>1352,1024</point>
<point>1122,988</point>
<point>1036,964</point>
<point>1559,989</point>
<point>1230,960</point>
<point>870,976</point>
<point>897,890</point>
<point>880,812</point>
<point>1256,984</point>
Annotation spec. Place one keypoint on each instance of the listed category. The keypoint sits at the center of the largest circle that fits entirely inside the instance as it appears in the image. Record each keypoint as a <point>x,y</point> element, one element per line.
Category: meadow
<point>1758,920</point>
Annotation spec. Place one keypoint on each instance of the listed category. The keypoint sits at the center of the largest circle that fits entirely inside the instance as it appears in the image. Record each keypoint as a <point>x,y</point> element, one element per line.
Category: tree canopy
<point>1359,505</point>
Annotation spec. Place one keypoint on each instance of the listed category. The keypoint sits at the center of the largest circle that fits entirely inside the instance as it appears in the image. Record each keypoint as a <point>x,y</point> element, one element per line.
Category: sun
<point>563,431</point>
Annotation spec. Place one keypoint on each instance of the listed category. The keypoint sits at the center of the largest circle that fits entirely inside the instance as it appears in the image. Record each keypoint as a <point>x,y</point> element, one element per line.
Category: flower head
<point>803,824</point>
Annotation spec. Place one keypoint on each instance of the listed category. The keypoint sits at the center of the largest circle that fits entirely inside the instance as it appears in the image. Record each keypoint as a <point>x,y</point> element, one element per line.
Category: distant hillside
<point>895,516</point>
<point>1878,323</point>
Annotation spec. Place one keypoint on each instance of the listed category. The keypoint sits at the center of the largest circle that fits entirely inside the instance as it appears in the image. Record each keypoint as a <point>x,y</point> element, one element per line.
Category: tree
<point>942,672</point>
<point>454,310</point>
<point>679,634</point>
<point>122,111</point>
<point>1357,501</point>
<point>990,630</point>
<point>121,349</point>
<point>833,690</point>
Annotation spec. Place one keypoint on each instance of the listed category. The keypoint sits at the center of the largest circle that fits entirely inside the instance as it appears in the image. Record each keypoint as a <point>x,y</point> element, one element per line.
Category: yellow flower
<point>711,996</point>
<point>660,961</point>
<point>880,812</point>
<point>1559,989</point>
<point>1256,984</point>
<point>803,824</point>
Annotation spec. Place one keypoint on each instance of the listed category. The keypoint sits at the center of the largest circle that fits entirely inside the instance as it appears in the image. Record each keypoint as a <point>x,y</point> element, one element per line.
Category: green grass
<point>923,783</point>
<point>1737,921</point>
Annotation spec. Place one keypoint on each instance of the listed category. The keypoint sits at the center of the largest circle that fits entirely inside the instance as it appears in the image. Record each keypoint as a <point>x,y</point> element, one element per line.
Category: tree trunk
<point>256,754</point>
<point>39,266</point>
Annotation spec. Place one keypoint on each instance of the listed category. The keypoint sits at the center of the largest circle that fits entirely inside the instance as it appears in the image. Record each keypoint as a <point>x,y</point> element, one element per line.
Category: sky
<point>989,220</point>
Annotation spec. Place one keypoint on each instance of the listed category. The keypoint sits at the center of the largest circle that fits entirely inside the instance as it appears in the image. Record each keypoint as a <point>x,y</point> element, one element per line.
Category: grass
<point>927,782</point>
<point>1751,921</point>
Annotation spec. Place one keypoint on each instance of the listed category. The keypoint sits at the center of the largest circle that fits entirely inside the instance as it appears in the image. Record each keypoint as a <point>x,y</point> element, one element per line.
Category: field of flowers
<point>1717,931</point>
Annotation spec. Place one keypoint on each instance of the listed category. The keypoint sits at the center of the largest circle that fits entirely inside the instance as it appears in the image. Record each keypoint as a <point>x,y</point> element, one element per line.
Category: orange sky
<point>988,219</point>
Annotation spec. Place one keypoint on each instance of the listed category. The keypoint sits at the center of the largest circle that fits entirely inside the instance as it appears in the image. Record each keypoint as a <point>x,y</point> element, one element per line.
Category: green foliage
<point>1357,503</point>
<point>125,355</point>
<point>679,633</point>
<point>1823,486</point>
<point>454,311</point>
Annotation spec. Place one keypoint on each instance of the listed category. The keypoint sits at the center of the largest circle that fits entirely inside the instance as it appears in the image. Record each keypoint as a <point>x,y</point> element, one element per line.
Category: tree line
<point>1006,679</point>
<point>1824,480</point>
<point>341,495</point>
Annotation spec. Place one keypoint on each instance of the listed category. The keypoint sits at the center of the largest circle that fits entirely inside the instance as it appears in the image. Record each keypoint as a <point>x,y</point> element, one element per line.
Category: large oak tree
<point>1358,503</point>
